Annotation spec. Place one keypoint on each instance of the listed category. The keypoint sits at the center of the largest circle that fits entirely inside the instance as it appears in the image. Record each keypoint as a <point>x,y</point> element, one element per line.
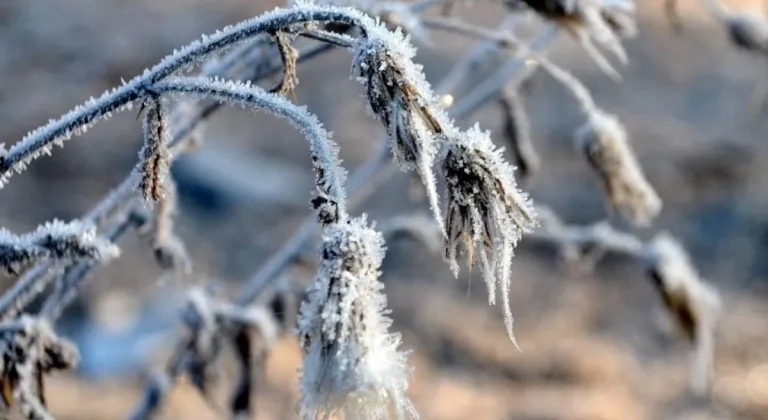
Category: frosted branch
<point>78,121</point>
<point>55,240</point>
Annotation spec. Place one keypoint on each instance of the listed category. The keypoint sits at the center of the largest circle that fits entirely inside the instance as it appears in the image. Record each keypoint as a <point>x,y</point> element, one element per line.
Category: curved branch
<point>77,121</point>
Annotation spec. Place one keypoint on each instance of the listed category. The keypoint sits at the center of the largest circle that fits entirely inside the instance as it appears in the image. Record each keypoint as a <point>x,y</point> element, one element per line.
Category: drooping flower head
<point>484,211</point>
<point>400,97</point>
<point>352,364</point>
<point>603,140</point>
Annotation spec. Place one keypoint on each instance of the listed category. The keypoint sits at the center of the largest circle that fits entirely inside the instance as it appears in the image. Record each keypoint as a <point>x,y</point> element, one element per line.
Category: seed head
<point>485,211</point>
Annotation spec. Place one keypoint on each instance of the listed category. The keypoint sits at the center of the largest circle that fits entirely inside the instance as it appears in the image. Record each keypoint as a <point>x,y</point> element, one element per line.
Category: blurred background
<point>595,345</point>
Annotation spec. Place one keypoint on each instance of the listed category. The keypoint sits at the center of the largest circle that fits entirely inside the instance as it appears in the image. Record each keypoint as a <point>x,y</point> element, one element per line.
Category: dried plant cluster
<point>354,364</point>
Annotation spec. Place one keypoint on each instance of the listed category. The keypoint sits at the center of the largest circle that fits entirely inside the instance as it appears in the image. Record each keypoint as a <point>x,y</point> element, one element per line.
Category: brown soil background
<point>594,345</point>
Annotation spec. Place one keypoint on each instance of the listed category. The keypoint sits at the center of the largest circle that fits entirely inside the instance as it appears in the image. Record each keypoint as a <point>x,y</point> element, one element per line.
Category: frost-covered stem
<point>78,120</point>
<point>324,150</point>
<point>35,279</point>
<point>279,261</point>
<point>339,40</point>
<point>70,281</point>
<point>574,85</point>
<point>271,269</point>
<point>600,235</point>
<point>53,241</point>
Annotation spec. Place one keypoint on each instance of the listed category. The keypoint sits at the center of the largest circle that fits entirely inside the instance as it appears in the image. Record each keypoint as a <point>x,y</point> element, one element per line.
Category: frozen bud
<point>694,305</point>
<point>604,142</point>
<point>485,211</point>
<point>352,363</point>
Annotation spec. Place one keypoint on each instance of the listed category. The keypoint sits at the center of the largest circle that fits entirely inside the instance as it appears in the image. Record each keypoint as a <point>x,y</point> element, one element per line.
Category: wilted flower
<point>694,304</point>
<point>352,364</point>
<point>591,21</point>
<point>484,210</point>
<point>604,142</point>
<point>399,96</point>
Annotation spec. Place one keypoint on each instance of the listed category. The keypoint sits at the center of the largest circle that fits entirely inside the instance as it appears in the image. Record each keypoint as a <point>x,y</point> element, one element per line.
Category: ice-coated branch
<point>77,121</point>
<point>54,240</point>
<point>29,353</point>
<point>589,22</point>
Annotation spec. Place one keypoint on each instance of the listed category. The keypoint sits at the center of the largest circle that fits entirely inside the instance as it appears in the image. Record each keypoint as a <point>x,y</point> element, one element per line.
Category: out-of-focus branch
<point>693,304</point>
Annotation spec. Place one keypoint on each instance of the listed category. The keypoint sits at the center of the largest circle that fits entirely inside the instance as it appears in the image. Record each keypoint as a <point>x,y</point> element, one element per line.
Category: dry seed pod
<point>484,211</point>
<point>604,142</point>
<point>694,305</point>
<point>353,366</point>
<point>153,157</point>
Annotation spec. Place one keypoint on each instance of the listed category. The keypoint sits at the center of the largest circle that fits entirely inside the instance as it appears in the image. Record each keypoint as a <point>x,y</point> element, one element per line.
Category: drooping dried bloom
<point>603,22</point>
<point>352,364</point>
<point>604,142</point>
<point>153,157</point>
<point>54,240</point>
<point>694,305</point>
<point>485,211</point>
<point>399,96</point>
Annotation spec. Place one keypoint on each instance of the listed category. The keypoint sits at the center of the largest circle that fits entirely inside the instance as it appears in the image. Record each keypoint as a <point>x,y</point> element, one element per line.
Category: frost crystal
<point>352,364</point>
<point>485,211</point>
